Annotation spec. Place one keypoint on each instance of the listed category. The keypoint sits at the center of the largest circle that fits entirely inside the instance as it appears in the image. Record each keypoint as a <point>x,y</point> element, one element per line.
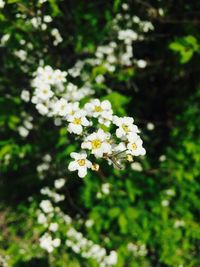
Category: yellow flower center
<point>81,162</point>
<point>45,91</point>
<point>98,109</point>
<point>134,147</point>
<point>125,128</point>
<point>77,121</point>
<point>96,144</point>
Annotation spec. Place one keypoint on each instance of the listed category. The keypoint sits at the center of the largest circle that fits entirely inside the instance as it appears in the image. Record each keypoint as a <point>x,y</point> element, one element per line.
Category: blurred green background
<point>150,214</point>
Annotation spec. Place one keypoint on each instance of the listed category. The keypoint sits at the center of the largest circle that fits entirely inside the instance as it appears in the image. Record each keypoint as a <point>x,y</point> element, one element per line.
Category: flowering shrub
<point>73,75</point>
<point>51,97</point>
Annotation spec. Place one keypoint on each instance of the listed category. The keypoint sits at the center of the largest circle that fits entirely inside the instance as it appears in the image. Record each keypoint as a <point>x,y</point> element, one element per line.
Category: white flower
<point>42,108</point>
<point>58,38</point>
<point>46,242</point>
<point>46,74</point>
<point>81,163</point>
<point>77,121</point>
<point>60,107</point>
<point>125,125</point>
<point>150,126</point>
<point>28,125</point>
<point>141,63</point>
<point>25,95</point>
<point>21,54</point>
<point>56,242</point>
<point>95,108</point>
<point>125,6</point>
<point>165,203</point>
<point>5,37</point>
<point>46,206</point>
<point>42,218</point>
<point>59,183</point>
<point>170,192</point>
<point>135,145</point>
<point>111,259</point>
<point>47,19</point>
<point>53,227</point>
<point>136,166</point>
<point>60,76</point>
<point>105,188</point>
<point>179,223</point>
<point>105,118</point>
<point>23,131</point>
<point>162,158</point>
<point>97,142</point>
<point>72,108</point>
<point>44,92</point>
<point>89,223</point>
<point>127,35</point>
<point>2,4</point>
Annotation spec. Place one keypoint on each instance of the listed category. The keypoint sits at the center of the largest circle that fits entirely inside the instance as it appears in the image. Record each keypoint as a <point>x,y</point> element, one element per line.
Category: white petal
<point>86,145</point>
<point>119,132</point>
<point>106,104</point>
<point>82,172</point>
<point>73,166</point>
<point>85,122</point>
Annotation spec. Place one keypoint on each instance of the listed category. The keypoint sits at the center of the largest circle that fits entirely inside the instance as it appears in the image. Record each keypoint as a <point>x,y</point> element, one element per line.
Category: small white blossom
<point>165,203</point>
<point>162,158</point>
<point>141,63</point>
<point>81,163</point>
<point>44,92</point>
<point>46,206</point>
<point>135,145</point>
<point>125,125</point>
<point>98,143</point>
<point>23,131</point>
<point>150,126</point>
<point>136,166</point>
<point>61,107</point>
<point>53,227</point>
<point>95,108</point>
<point>179,223</point>
<point>105,188</point>
<point>77,121</point>
<point>59,183</point>
<point>42,218</point>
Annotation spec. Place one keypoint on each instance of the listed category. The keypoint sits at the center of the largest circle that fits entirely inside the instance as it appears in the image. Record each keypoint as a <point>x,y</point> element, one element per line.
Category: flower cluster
<point>102,134</point>
<point>88,249</point>
<point>52,93</point>
<point>4,259</point>
<point>116,139</point>
<point>51,217</point>
<point>138,250</point>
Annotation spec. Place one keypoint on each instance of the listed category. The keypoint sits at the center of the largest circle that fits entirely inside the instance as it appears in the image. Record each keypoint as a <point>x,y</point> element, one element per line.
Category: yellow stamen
<point>134,147</point>
<point>95,167</point>
<point>96,144</point>
<point>129,158</point>
<point>98,109</point>
<point>81,162</point>
<point>125,128</point>
<point>45,91</point>
<point>77,121</point>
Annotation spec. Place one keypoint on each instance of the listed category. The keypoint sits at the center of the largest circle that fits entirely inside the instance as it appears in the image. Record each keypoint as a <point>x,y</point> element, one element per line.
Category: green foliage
<point>157,205</point>
<point>185,47</point>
